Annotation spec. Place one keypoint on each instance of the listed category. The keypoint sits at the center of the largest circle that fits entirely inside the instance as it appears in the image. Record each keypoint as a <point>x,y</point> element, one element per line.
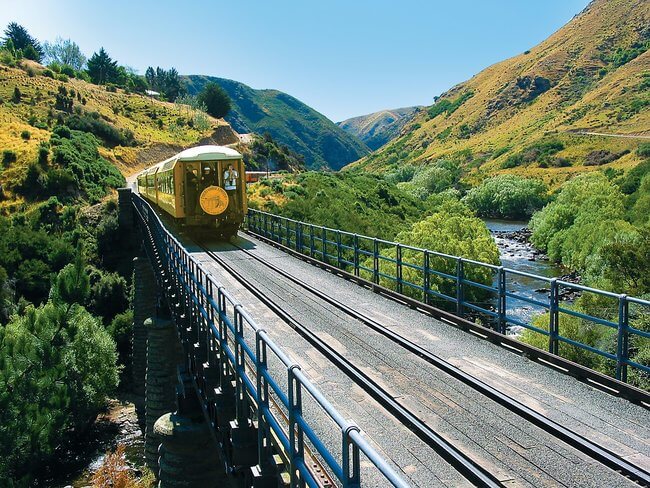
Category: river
<point>516,253</point>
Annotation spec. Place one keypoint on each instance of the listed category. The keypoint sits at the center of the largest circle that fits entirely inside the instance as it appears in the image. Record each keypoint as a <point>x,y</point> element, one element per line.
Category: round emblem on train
<point>214,200</point>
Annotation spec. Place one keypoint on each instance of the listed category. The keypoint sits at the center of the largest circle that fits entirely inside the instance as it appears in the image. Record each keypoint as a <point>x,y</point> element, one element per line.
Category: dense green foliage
<point>601,228</point>
<point>215,99</point>
<point>357,203</point>
<point>587,213</point>
<point>507,197</point>
<point>76,171</point>
<point>427,179</point>
<point>451,229</point>
<point>57,364</point>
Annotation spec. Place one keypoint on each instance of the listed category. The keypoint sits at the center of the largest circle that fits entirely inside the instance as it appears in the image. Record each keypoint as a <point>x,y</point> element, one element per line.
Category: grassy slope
<point>378,128</point>
<point>499,118</point>
<point>125,111</point>
<point>289,121</point>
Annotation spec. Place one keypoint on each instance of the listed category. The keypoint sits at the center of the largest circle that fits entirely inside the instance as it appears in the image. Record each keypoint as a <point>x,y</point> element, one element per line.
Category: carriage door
<point>230,182</point>
<point>191,178</point>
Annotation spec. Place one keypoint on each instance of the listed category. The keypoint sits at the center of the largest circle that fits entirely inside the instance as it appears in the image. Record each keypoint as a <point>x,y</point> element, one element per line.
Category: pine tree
<point>101,68</point>
<point>21,40</point>
<point>215,99</point>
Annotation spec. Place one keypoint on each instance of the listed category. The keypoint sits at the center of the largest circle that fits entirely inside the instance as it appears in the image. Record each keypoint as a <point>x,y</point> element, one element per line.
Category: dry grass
<point>593,101</point>
<point>115,473</point>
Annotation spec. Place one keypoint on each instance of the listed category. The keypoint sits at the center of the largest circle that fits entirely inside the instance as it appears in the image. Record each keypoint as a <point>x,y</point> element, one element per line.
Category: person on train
<point>230,178</point>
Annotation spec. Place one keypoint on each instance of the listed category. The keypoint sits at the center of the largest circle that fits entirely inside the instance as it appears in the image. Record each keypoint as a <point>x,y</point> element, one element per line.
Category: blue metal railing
<point>232,344</point>
<point>469,286</point>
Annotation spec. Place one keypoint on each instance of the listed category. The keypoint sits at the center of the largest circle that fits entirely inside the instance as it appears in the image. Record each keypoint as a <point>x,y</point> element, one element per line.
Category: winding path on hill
<point>623,136</point>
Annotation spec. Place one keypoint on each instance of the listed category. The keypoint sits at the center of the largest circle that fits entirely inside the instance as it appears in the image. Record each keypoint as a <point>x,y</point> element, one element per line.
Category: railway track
<point>469,469</point>
<point>459,460</point>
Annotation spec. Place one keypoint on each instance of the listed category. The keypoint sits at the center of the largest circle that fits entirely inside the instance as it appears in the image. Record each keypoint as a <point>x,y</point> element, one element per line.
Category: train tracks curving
<point>467,467</point>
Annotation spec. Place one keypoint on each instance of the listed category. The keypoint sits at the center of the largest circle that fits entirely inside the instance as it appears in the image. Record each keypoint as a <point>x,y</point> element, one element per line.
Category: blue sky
<point>343,58</point>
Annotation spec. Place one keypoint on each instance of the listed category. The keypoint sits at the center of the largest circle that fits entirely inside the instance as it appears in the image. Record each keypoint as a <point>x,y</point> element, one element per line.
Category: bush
<point>109,296</point>
<point>507,196</point>
<point>92,122</point>
<point>644,150</point>
<point>453,230</point>
<point>63,78</point>
<point>587,213</point>
<point>8,157</point>
<point>58,366</point>
<point>26,135</point>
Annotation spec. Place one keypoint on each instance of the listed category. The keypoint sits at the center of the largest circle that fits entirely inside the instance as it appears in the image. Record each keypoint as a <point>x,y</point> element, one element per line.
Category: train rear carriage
<point>202,187</point>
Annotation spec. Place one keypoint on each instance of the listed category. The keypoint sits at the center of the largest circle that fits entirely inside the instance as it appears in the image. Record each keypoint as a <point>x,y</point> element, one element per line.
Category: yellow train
<point>203,187</point>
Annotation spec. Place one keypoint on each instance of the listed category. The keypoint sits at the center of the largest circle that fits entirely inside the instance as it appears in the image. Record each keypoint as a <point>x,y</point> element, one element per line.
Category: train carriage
<point>202,187</point>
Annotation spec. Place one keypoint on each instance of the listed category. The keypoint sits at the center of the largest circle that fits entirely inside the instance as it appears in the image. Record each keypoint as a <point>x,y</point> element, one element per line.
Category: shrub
<point>109,296</point>
<point>644,150</point>
<point>26,135</point>
<point>63,78</point>
<point>600,157</point>
<point>8,157</point>
<point>17,95</point>
<point>92,122</point>
<point>453,230</point>
<point>587,213</point>
<point>68,71</point>
<point>507,196</point>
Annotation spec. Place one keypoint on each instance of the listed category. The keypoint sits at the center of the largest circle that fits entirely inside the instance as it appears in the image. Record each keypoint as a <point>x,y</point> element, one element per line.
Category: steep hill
<point>288,121</point>
<point>378,128</point>
<point>536,113</point>
<point>132,131</point>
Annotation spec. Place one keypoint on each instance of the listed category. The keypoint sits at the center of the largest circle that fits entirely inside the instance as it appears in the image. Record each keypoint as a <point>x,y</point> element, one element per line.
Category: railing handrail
<point>294,232</point>
<point>192,277</point>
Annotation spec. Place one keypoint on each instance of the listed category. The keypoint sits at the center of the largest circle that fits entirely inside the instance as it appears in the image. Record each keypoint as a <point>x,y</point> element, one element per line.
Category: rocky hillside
<point>132,131</point>
<point>578,101</point>
<point>288,121</point>
<point>378,128</point>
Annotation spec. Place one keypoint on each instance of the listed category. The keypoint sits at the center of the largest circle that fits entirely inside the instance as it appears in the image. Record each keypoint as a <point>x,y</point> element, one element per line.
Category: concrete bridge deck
<point>519,453</point>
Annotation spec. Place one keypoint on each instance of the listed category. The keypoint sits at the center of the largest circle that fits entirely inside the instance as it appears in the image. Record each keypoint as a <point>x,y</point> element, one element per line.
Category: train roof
<point>197,153</point>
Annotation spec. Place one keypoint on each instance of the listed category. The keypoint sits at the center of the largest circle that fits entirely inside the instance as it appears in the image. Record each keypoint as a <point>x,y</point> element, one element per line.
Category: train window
<point>230,177</point>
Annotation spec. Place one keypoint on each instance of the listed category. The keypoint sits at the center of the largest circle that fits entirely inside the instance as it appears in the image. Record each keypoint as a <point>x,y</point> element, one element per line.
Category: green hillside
<point>378,128</point>
<point>288,121</point>
<point>540,113</point>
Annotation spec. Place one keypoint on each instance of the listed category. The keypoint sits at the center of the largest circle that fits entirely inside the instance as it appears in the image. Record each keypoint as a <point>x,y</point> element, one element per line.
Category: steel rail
<point>586,446</point>
<point>469,469</point>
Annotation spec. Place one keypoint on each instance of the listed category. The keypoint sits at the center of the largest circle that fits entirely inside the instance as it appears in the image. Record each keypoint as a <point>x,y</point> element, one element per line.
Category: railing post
<point>296,441</point>
<point>554,319</point>
<point>460,277</point>
<point>266,225</point>
<point>299,245</point>
<point>427,277</point>
<point>265,452</point>
<point>240,366</point>
<point>622,340</point>
<point>351,464</point>
<point>375,261</point>
<point>398,265</point>
<point>356,255</point>
<point>324,238</point>
<point>311,240</point>
<point>501,287</point>
<point>339,255</point>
